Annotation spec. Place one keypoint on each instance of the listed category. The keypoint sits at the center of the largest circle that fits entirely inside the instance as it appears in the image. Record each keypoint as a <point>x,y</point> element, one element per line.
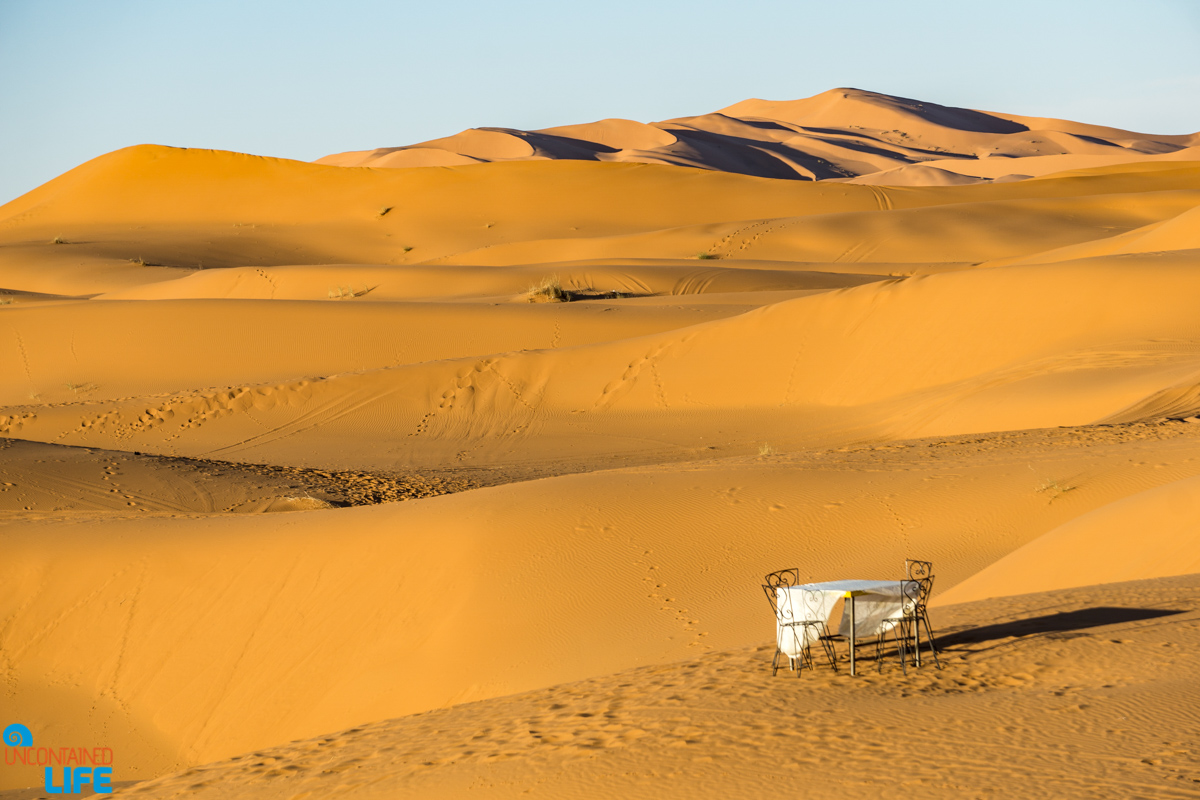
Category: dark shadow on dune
<point>1093,139</point>
<point>753,122</point>
<point>1051,624</point>
<point>763,159</point>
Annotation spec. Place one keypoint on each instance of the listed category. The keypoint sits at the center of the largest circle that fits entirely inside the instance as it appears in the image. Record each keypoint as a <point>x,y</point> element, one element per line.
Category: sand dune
<point>316,633</point>
<point>616,372</point>
<point>1073,359</point>
<point>839,134</point>
<point>45,478</point>
<point>1149,535</point>
<point>1028,685</point>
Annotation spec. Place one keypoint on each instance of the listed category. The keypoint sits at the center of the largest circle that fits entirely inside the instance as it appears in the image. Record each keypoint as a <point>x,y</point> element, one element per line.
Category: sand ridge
<point>843,134</point>
<point>1072,693</point>
<point>393,642</point>
<point>499,383</point>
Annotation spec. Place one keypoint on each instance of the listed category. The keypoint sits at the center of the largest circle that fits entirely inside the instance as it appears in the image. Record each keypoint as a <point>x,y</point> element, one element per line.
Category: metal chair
<point>784,577</point>
<point>897,628</point>
<point>800,619</point>
<point>900,625</point>
<point>920,574</point>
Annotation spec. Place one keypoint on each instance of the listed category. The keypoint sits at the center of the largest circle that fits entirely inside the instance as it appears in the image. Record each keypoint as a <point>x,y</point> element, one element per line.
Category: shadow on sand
<point>1065,622</point>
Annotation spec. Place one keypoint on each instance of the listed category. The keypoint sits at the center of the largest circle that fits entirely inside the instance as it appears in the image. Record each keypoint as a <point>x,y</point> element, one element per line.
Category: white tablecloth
<point>879,603</point>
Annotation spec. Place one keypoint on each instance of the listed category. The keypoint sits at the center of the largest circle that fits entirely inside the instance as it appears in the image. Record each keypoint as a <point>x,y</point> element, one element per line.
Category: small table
<point>851,589</point>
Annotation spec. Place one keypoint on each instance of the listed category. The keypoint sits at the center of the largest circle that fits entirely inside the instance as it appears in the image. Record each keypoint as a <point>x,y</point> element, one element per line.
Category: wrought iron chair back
<point>918,569</point>
<point>784,577</point>
<point>924,590</point>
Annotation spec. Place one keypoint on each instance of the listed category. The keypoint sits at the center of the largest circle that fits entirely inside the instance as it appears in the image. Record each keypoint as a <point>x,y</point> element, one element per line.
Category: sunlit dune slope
<point>1149,535</point>
<point>120,215</point>
<point>99,351</point>
<point>830,368</point>
<point>711,373</point>
<point>432,283</point>
<point>38,479</point>
<point>287,625</point>
<point>841,134</point>
<point>965,232</point>
<point>1056,695</point>
<point>146,214</point>
<point>45,478</point>
<point>348,353</point>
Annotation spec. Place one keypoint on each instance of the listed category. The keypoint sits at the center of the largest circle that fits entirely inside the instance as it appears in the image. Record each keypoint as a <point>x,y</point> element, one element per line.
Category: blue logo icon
<point>17,735</point>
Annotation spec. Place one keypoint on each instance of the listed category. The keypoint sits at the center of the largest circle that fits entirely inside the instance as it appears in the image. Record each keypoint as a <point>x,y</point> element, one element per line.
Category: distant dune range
<point>843,135</point>
<point>642,365</point>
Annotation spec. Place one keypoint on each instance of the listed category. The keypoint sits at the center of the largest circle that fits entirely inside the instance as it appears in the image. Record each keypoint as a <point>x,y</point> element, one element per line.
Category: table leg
<point>850,600</point>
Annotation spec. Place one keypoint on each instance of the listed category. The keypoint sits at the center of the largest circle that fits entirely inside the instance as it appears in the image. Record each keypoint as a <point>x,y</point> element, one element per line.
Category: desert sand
<point>843,134</point>
<point>458,466</point>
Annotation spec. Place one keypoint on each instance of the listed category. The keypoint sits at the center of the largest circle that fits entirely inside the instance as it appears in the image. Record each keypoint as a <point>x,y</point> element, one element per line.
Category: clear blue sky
<point>301,79</point>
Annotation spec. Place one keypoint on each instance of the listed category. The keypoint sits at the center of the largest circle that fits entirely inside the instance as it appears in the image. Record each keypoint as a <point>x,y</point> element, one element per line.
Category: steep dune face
<point>1149,535</point>
<point>1046,665</point>
<point>635,387</point>
<point>874,111</point>
<point>837,135</point>
<point>285,626</point>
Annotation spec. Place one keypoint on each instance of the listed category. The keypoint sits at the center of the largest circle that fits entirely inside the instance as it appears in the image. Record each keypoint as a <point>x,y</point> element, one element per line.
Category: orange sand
<point>1000,375</point>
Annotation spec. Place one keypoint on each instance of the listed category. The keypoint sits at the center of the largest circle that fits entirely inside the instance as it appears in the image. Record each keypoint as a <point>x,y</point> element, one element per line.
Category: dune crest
<point>841,134</point>
<point>295,451</point>
<point>1149,535</point>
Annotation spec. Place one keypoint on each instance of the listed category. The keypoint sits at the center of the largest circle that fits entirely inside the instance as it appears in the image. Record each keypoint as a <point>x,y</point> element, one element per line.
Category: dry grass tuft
<point>348,292</point>
<point>549,290</point>
<point>1053,489</point>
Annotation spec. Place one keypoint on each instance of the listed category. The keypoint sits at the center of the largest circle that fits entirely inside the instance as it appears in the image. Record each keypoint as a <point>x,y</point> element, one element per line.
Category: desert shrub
<point>548,290</point>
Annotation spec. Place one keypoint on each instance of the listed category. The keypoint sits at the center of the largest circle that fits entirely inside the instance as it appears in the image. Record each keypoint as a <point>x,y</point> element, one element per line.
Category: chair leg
<point>912,638</point>
<point>806,657</point>
<point>897,631</point>
<point>830,653</point>
<point>776,663</point>
<point>929,634</point>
